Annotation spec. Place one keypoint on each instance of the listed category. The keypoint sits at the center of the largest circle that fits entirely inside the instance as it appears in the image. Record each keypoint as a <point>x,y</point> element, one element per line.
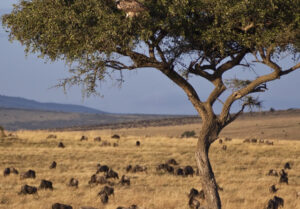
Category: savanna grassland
<point>240,170</point>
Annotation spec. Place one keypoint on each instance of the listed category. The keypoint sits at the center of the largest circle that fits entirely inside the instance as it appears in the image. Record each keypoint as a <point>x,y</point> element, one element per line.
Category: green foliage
<point>188,134</point>
<point>95,38</point>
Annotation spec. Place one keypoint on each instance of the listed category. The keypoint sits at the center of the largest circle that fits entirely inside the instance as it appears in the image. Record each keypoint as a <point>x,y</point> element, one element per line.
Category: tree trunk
<point>209,131</point>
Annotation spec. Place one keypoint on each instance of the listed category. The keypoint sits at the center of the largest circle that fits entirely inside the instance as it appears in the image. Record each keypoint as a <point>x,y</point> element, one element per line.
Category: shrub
<point>188,134</point>
<point>2,134</point>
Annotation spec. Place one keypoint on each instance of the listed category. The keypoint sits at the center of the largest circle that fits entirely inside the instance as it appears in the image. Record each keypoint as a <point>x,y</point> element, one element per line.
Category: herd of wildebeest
<point>106,176</point>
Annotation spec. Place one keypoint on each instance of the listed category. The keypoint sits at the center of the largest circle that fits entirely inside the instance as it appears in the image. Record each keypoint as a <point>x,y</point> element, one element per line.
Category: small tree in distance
<point>181,39</point>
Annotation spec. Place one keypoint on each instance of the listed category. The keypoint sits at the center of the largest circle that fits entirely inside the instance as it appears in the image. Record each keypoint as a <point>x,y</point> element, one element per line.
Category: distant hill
<point>26,104</point>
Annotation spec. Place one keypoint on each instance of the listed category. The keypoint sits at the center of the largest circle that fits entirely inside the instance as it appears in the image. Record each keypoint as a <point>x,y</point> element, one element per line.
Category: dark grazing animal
<point>179,172</point>
<point>73,183</point>
<point>61,145</point>
<point>137,143</point>
<point>6,172</point>
<point>26,189</point>
<point>83,138</point>
<point>104,198</point>
<point>272,173</point>
<point>130,207</point>
<point>165,167</point>
<point>287,166</point>
<point>128,168</point>
<point>97,139</point>
<point>196,194</point>
<point>275,203</point>
<point>273,189</point>
<point>103,168</point>
<point>28,174</point>
<point>61,206</point>
<point>112,174</point>
<point>139,168</point>
<point>283,177</point>
<point>46,185</point>
<point>115,136</point>
<point>172,161</point>
<point>14,171</point>
<point>106,190</point>
<point>188,170</point>
<point>125,180</point>
<point>53,165</point>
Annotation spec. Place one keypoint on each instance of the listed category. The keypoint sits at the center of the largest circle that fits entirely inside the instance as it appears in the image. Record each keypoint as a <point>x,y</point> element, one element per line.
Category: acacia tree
<point>181,39</point>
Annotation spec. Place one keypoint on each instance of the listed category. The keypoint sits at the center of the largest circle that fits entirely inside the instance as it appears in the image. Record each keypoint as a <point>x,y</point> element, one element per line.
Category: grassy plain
<point>240,170</point>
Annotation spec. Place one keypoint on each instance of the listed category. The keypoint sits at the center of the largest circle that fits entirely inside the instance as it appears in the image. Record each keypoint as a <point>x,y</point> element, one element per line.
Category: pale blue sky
<point>145,91</point>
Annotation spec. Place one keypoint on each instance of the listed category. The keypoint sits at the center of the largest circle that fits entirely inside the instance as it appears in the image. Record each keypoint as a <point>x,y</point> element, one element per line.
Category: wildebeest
<point>196,194</point>
<point>28,174</point>
<point>125,180</point>
<point>179,172</point>
<point>104,198</point>
<point>275,203</point>
<point>105,144</point>
<point>130,207</point>
<point>283,177</point>
<point>73,182</point>
<point>61,145</point>
<point>115,136</point>
<point>97,139</point>
<point>6,171</point>
<point>103,168</point>
<point>26,189</point>
<point>128,168</point>
<point>61,206</point>
<point>138,168</point>
<point>112,174</point>
<point>272,173</point>
<point>14,171</point>
<point>287,165</point>
<point>172,161</point>
<point>188,170</point>
<point>46,184</point>
<point>98,180</point>
<point>254,140</point>
<point>137,143</point>
<point>224,147</point>
<point>273,189</point>
<point>83,138</point>
<point>53,165</point>
<point>220,141</point>
<point>106,190</point>
<point>165,167</point>
<point>228,139</point>
<point>246,140</point>
<point>115,144</point>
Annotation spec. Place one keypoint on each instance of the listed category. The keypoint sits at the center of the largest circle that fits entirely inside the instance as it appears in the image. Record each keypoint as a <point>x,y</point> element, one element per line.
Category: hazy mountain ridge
<point>22,103</point>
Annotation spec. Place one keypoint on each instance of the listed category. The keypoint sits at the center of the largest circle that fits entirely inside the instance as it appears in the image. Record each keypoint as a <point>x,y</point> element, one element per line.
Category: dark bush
<point>188,134</point>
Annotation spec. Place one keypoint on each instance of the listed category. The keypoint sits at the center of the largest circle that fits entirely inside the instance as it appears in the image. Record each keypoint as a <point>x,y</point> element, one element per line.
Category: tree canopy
<point>97,37</point>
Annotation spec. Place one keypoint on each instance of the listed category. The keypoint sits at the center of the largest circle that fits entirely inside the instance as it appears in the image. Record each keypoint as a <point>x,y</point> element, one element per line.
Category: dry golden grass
<point>240,171</point>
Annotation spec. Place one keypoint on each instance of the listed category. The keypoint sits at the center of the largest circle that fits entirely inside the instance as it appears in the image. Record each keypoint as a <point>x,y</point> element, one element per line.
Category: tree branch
<point>232,63</point>
<point>218,90</point>
<point>187,88</point>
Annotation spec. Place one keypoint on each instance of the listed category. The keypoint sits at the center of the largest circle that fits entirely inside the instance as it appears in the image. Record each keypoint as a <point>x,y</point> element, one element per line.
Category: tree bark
<point>209,132</point>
